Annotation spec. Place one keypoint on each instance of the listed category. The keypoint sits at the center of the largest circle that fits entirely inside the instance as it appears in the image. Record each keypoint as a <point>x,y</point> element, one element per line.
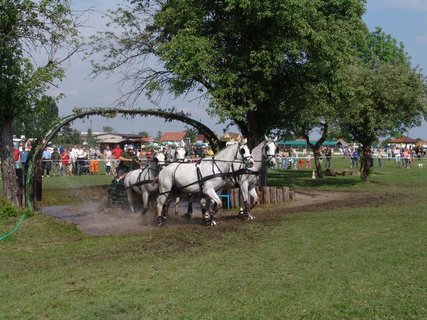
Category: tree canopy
<point>387,95</point>
<point>244,56</point>
<point>39,120</point>
<point>35,38</point>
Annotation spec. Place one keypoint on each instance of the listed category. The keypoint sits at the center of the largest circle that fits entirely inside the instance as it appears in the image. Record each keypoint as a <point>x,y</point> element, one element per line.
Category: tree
<point>143,134</point>
<point>39,120</point>
<point>31,34</point>
<point>107,129</point>
<point>388,95</point>
<point>67,136</point>
<point>159,135</point>
<point>191,134</point>
<point>90,138</point>
<point>244,56</point>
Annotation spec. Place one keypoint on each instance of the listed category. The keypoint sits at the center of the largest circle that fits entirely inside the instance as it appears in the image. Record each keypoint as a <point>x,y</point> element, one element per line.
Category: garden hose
<point>14,229</point>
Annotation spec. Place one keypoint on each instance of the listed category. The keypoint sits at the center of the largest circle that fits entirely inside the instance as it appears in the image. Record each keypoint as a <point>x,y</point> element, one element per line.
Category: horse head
<point>159,159</point>
<point>269,151</point>
<point>245,153</point>
<point>180,154</point>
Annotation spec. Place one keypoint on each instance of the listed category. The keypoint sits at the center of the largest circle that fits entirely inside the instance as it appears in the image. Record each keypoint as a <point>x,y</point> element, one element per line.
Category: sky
<point>405,20</point>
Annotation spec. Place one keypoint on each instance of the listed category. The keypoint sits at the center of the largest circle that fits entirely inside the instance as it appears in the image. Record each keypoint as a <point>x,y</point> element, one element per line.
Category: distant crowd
<point>403,157</point>
<point>81,159</point>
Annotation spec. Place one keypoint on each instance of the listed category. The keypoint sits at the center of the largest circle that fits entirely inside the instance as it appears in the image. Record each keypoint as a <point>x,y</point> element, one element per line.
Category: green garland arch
<point>78,113</point>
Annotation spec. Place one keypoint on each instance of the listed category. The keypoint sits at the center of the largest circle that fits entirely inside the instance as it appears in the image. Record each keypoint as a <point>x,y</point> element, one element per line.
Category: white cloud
<point>422,38</point>
<point>405,4</point>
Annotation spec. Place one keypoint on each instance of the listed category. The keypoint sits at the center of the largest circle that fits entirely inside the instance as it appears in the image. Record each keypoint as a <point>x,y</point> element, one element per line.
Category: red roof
<point>403,139</point>
<point>172,136</point>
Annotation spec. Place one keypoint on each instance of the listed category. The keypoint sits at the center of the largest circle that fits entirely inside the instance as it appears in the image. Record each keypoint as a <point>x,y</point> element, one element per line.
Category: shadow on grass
<point>303,179</point>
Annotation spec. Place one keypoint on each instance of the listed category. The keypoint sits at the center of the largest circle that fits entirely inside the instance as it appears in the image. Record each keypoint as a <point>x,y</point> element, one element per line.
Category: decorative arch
<point>109,113</point>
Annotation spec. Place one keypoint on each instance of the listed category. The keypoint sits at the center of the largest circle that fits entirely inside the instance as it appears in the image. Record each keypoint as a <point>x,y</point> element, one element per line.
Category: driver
<point>128,161</point>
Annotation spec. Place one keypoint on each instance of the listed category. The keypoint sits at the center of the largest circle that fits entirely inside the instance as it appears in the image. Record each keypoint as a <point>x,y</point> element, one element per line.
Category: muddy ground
<point>94,217</point>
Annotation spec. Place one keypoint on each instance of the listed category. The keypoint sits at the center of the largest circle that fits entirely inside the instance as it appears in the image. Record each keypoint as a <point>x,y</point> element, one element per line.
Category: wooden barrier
<point>266,195</point>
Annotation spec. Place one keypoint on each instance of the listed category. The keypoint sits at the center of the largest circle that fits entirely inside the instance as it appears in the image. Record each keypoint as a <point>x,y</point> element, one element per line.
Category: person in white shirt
<point>397,156</point>
<point>81,157</point>
<point>73,159</point>
<point>108,157</point>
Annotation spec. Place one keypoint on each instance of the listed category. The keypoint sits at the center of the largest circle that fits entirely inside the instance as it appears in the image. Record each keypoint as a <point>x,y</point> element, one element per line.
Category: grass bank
<point>359,262</point>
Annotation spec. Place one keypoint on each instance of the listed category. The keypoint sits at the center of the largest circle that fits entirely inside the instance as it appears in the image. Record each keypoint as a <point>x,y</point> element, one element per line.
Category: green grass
<point>72,189</point>
<point>362,262</point>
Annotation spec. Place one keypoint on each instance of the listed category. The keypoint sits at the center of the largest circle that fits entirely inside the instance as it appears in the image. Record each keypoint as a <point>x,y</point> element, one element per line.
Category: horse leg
<point>215,205</point>
<point>205,214</point>
<point>189,208</point>
<point>177,200</point>
<point>166,208</point>
<point>245,214</point>
<point>254,195</point>
<point>144,201</point>
<point>161,199</point>
<point>131,198</point>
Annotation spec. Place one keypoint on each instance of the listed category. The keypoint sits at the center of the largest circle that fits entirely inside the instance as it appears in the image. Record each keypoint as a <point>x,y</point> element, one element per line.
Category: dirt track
<point>93,219</point>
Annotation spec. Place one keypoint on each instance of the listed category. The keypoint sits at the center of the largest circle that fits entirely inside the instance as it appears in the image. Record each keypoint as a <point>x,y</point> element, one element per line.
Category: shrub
<point>7,210</point>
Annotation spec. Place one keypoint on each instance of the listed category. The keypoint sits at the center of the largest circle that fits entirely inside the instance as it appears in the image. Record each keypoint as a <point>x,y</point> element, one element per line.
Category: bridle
<point>268,157</point>
<point>242,152</point>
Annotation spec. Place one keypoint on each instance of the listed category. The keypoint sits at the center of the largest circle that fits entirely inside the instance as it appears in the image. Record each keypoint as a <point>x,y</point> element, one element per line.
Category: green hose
<point>14,229</point>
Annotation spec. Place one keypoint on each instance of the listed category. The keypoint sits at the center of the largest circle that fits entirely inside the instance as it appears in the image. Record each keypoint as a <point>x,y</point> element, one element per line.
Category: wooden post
<point>236,197</point>
<point>279,192</point>
<point>260,195</point>
<point>285,193</point>
<point>229,191</point>
<point>273,194</point>
<point>266,192</point>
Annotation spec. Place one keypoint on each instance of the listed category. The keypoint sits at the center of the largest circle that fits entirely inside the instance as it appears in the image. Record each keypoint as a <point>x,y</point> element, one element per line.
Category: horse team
<point>233,166</point>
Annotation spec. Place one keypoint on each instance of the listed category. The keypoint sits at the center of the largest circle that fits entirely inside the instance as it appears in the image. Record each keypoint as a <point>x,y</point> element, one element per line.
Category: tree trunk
<point>316,149</point>
<point>10,185</point>
<point>317,163</point>
<point>366,163</point>
<point>254,137</point>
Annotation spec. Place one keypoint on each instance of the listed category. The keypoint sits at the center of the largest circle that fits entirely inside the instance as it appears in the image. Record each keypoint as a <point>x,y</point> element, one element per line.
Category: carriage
<point>120,189</point>
<point>117,196</point>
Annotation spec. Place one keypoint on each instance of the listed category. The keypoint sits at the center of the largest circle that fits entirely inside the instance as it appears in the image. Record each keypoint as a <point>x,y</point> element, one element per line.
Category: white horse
<point>205,178</point>
<point>264,155</point>
<point>144,181</point>
<point>180,154</point>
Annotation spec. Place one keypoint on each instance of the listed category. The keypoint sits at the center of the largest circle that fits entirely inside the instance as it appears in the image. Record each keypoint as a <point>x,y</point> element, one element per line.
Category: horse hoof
<point>160,222</point>
<point>207,222</point>
<point>240,217</point>
<point>187,215</point>
<point>245,216</point>
<point>214,223</point>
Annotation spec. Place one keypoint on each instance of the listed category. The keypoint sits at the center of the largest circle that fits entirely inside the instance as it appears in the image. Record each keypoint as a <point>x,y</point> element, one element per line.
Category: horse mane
<point>225,151</point>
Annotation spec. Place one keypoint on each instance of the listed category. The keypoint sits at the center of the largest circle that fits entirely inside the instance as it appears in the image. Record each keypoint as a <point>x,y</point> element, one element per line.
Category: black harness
<point>139,182</point>
<point>201,179</point>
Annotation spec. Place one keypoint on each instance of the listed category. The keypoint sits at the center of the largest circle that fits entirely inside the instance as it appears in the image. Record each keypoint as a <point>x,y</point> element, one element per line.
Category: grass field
<point>363,261</point>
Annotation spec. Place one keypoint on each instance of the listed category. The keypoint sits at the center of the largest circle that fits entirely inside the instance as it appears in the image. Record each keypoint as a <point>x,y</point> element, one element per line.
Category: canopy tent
<point>303,144</point>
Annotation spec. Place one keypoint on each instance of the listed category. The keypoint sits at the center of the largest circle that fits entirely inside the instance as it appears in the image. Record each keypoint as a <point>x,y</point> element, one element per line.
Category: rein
<point>140,182</point>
